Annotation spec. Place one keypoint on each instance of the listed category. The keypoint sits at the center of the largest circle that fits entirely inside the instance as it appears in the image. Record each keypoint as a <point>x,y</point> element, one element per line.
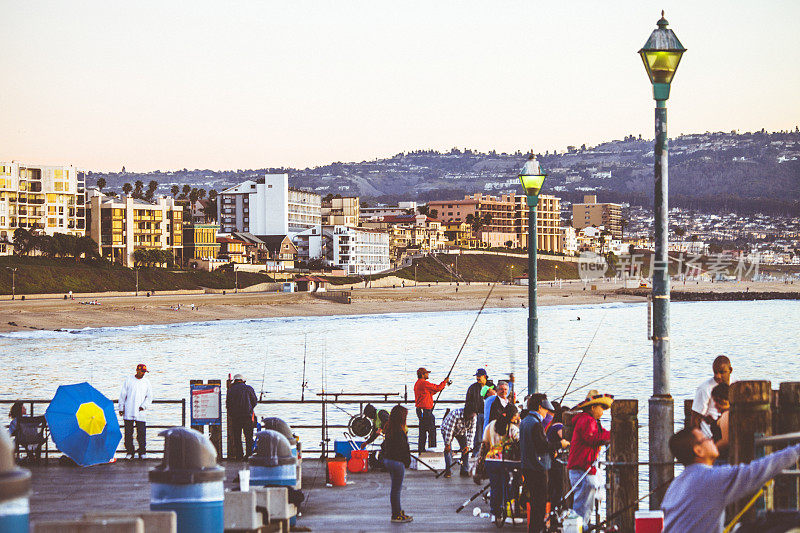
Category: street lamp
<point>661,54</point>
<point>532,178</point>
<point>13,282</point>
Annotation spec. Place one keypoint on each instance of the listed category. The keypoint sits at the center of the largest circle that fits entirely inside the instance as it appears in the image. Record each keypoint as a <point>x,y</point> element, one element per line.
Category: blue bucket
<point>273,476</point>
<point>14,515</point>
<point>199,506</point>
<point>342,447</point>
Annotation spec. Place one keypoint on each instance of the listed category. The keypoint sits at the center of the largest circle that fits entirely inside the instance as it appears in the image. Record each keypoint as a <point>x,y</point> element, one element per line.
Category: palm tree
<point>186,190</point>
<point>127,188</point>
<point>101,184</point>
<point>175,190</point>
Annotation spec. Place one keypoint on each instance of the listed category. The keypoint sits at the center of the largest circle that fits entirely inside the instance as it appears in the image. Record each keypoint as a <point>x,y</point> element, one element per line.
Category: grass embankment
<point>474,267</point>
<point>39,275</point>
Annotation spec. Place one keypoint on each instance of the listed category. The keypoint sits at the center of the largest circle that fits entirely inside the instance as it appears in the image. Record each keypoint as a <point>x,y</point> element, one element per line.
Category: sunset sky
<point>221,85</point>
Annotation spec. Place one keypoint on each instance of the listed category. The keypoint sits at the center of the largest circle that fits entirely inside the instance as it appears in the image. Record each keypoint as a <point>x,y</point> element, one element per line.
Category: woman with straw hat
<point>587,437</point>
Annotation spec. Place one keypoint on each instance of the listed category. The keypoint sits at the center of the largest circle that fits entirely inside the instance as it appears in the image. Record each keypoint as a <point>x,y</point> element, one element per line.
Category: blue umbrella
<point>83,424</point>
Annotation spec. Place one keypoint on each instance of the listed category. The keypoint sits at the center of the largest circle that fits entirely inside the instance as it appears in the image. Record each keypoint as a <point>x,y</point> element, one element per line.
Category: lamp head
<point>532,178</point>
<point>661,54</point>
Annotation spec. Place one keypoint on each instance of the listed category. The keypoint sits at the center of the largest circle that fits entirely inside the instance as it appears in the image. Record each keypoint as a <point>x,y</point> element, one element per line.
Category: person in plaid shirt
<point>461,428</point>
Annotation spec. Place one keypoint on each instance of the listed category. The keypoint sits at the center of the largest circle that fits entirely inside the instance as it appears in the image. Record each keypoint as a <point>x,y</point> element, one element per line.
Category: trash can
<point>285,429</point>
<point>15,488</point>
<point>273,463</point>
<point>189,481</point>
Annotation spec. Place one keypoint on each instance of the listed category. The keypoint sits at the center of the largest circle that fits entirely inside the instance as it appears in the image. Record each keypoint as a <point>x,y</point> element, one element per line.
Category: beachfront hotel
<point>48,198</point>
<point>590,213</point>
<point>268,206</point>
<point>503,219</point>
<point>122,225</point>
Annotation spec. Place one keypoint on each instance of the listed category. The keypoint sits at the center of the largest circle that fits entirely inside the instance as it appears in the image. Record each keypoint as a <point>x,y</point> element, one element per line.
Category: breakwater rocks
<point>721,296</point>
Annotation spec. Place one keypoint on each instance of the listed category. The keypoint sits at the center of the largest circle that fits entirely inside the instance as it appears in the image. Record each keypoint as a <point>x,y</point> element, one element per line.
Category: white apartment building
<point>402,208</point>
<point>42,197</point>
<point>356,250</point>
<point>268,206</point>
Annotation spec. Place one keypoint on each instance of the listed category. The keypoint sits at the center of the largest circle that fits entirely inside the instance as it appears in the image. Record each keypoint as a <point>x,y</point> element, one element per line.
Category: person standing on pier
<point>474,403</point>
<point>396,458</point>
<point>240,403</point>
<point>696,499</point>
<point>588,436</point>
<point>703,404</point>
<point>423,400</point>
<point>459,424</point>
<point>500,403</point>
<point>134,400</point>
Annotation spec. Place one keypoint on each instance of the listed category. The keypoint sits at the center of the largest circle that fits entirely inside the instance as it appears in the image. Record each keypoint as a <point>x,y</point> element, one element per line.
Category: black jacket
<point>241,400</point>
<point>395,447</point>
<point>474,402</point>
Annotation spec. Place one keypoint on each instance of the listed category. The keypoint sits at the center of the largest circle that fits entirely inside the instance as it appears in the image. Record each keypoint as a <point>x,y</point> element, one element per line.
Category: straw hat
<point>595,398</point>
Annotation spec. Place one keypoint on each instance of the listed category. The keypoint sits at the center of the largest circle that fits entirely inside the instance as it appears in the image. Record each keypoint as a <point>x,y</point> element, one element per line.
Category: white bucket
<point>572,525</point>
<point>244,480</point>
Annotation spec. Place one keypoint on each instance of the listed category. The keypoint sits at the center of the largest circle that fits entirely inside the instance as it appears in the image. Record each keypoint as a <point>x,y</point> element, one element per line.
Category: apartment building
<point>402,208</point>
<point>268,206</point>
<point>498,220</point>
<point>199,242</point>
<point>591,213</point>
<point>410,234</point>
<point>357,251</point>
<point>342,211</point>
<point>46,198</point>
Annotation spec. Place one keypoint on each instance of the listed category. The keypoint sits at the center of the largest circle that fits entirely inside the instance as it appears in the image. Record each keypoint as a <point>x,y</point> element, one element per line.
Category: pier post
<point>787,489</point>
<point>623,472</point>
<point>214,431</point>
<point>750,414</point>
<point>687,413</point>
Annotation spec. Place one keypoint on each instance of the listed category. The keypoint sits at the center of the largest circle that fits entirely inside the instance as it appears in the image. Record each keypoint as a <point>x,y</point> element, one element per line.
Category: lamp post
<point>532,178</point>
<point>661,54</point>
<point>136,269</point>
<point>13,282</point>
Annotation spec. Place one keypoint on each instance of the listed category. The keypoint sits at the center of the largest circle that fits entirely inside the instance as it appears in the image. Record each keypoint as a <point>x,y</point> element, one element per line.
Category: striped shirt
<point>453,424</point>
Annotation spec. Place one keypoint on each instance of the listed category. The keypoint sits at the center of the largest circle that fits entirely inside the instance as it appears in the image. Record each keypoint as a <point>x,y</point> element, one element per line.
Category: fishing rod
<point>473,497</point>
<point>264,376</point>
<point>303,383</point>
<point>463,344</point>
<point>608,519</point>
<point>602,318</point>
<point>599,379</point>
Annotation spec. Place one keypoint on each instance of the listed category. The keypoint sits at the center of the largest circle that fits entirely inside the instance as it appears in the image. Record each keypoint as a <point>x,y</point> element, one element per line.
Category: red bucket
<point>337,473</point>
<point>359,461</point>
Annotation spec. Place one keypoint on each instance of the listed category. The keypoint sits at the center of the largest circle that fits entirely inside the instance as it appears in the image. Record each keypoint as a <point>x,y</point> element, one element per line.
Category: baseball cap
<point>421,371</point>
<point>481,372</point>
<point>141,367</point>
<point>238,377</point>
<point>547,405</point>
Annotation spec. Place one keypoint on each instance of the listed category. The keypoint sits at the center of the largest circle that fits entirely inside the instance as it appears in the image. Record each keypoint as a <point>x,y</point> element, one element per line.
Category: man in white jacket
<point>134,400</point>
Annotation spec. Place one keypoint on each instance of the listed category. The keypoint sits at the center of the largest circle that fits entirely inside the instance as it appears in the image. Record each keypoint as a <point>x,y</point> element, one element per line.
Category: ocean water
<point>380,353</point>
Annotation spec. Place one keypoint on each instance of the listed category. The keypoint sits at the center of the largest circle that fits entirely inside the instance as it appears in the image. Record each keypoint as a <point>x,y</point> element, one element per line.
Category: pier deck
<point>61,493</point>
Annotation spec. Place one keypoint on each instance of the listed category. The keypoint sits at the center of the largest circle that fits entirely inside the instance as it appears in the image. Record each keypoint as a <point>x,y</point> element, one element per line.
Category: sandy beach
<point>52,314</point>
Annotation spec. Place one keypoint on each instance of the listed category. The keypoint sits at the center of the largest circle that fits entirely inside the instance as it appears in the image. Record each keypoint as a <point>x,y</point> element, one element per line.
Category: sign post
<point>205,409</point>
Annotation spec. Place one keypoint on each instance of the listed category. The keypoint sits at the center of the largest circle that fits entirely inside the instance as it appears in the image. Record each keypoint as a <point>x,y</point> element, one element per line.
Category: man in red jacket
<point>587,437</point>
<point>423,400</point>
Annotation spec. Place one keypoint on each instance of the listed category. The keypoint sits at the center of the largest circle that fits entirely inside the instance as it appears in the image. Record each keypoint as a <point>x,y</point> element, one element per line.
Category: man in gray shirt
<point>696,500</point>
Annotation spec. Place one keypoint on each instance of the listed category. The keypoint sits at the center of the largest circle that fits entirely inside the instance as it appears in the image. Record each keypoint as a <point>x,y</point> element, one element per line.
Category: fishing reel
<point>360,426</point>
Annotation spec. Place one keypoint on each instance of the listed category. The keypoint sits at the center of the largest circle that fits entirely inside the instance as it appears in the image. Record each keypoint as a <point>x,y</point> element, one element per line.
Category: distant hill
<point>707,171</point>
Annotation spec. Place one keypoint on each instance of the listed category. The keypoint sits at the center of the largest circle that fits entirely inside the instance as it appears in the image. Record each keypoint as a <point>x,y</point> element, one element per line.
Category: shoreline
<point>119,311</point>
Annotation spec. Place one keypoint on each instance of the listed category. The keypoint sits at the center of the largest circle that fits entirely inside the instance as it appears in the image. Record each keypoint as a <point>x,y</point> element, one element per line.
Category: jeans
<point>584,494</point>
<point>141,436</point>
<point>396,471</point>
<point>536,489</point>
<point>476,445</point>
<point>427,429</point>
<point>498,477</point>
<point>448,456</point>
<point>238,426</point>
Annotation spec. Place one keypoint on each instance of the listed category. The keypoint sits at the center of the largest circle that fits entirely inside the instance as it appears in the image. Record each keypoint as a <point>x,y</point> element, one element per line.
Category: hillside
<point>37,275</point>
<point>706,170</point>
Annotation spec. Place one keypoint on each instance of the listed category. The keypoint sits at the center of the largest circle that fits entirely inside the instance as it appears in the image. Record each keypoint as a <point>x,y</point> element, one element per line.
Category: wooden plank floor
<point>363,505</point>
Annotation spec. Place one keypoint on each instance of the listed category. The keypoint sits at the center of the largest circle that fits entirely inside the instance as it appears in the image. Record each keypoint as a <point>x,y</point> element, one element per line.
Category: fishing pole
<point>599,379</point>
<point>602,318</point>
<point>303,381</point>
<point>463,344</point>
<point>264,375</point>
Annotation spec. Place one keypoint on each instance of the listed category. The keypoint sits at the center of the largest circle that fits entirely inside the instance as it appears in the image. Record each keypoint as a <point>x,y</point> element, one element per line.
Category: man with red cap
<point>423,400</point>
<point>134,400</point>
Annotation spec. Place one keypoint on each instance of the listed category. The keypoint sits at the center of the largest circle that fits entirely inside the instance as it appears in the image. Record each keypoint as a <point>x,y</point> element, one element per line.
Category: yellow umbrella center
<point>91,418</point>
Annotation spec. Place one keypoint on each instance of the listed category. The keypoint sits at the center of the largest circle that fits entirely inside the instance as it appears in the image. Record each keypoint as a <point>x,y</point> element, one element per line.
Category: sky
<point>235,85</point>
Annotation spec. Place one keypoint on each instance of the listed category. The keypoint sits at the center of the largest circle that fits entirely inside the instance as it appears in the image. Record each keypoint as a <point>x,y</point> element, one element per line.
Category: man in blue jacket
<point>696,500</point>
<point>240,402</point>
<point>537,454</point>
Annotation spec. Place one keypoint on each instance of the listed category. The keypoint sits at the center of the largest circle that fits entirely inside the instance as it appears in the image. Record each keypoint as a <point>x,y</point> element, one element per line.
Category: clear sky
<point>221,84</point>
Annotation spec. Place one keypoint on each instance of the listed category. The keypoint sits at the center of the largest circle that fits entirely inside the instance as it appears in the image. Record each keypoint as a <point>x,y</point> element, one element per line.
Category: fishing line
<point>264,375</point>
<point>483,305</point>
<point>599,379</point>
<point>602,318</point>
<point>303,383</point>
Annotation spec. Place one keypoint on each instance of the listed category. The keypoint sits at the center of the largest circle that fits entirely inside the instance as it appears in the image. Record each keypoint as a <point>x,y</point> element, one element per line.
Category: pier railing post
<point>687,413</point>
<point>215,431</point>
<point>750,414</point>
<point>623,472</point>
<point>787,489</point>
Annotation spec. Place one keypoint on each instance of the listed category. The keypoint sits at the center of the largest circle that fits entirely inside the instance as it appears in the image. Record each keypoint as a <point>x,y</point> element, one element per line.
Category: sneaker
<point>447,474</point>
<point>142,456</point>
<point>401,519</point>
<point>464,473</point>
<point>129,456</point>
<point>406,518</point>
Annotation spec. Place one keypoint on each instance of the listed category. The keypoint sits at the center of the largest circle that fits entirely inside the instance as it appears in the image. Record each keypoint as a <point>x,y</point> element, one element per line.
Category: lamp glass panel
<point>661,65</point>
<point>532,183</point>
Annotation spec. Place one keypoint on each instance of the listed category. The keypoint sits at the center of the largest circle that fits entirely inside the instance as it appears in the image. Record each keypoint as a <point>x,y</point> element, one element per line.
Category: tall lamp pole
<point>13,282</point>
<point>532,178</point>
<point>661,54</point>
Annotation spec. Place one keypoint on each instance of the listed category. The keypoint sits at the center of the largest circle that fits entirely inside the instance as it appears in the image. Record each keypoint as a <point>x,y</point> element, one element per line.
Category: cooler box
<point>342,447</point>
<point>649,521</point>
